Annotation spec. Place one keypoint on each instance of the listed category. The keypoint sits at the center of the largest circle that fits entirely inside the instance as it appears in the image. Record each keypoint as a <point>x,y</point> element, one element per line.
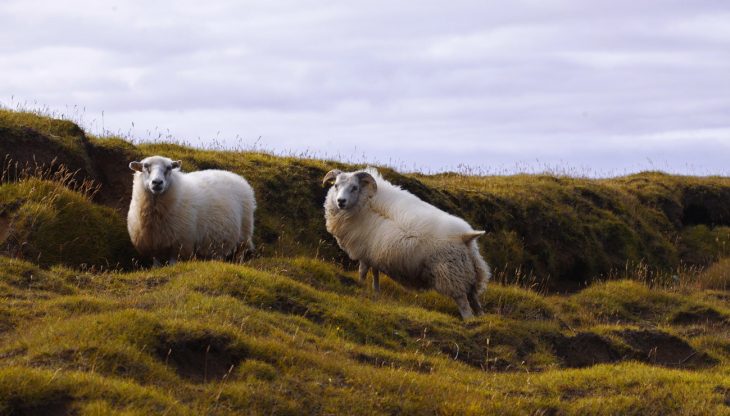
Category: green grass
<point>50,224</point>
<point>547,230</point>
<point>643,329</point>
<point>287,336</point>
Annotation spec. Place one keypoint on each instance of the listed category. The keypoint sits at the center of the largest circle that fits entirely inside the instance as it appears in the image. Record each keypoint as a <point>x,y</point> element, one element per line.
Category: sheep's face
<point>350,188</point>
<point>156,171</point>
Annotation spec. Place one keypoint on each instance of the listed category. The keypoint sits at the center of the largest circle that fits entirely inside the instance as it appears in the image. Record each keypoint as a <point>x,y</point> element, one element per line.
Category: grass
<point>601,304</point>
<point>34,139</point>
<point>546,230</point>
<point>282,335</point>
<point>716,276</point>
<point>50,224</point>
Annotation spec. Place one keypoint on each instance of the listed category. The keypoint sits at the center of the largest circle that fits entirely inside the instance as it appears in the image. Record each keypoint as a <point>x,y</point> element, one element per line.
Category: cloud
<point>609,84</point>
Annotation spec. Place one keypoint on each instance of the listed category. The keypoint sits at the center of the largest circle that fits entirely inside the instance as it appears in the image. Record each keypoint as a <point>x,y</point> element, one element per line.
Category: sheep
<point>175,215</point>
<point>390,230</point>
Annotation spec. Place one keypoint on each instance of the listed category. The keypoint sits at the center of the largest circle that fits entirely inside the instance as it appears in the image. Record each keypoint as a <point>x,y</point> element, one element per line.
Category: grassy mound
<point>292,336</point>
<point>31,143</point>
<point>45,222</point>
<point>574,229</point>
<point>33,140</point>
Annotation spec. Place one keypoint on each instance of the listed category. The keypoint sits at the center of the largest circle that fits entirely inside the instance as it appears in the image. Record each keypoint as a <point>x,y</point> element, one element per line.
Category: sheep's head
<point>349,188</point>
<point>156,171</point>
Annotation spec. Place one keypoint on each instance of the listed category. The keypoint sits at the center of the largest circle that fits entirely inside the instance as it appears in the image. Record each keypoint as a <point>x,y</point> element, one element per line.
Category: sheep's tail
<point>471,235</point>
<point>480,266</point>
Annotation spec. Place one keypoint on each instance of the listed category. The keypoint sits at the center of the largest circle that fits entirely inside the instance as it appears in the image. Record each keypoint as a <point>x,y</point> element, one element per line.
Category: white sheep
<point>390,230</point>
<point>175,215</point>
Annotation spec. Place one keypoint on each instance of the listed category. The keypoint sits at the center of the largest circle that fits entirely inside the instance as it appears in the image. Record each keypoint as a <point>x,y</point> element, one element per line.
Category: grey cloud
<point>592,81</point>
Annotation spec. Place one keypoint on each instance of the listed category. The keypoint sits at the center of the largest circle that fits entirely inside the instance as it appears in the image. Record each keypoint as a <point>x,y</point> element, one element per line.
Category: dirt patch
<point>585,349</point>
<point>56,407</point>
<point>661,348</point>
<point>4,227</point>
<point>112,172</point>
<point>26,148</point>
<point>477,345</point>
<point>419,366</point>
<point>7,324</point>
<point>474,354</point>
<point>297,307</point>
<point>346,281</point>
<point>29,148</point>
<point>698,315</point>
<point>706,205</point>
<point>725,392</point>
<point>461,351</point>
<point>649,346</point>
<point>200,358</point>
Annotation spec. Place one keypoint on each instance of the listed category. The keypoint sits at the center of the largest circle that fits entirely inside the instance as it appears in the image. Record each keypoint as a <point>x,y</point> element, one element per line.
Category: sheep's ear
<point>136,166</point>
<point>367,180</point>
<point>330,177</point>
<point>177,164</point>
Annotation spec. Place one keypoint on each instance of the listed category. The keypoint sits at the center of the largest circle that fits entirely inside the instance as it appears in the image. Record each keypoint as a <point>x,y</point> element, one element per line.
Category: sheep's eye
<point>354,188</point>
<point>146,167</point>
<point>169,168</point>
<point>337,186</point>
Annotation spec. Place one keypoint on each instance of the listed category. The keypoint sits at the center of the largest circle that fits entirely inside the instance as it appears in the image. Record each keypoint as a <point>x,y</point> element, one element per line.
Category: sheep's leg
<point>239,253</point>
<point>464,309</point>
<point>250,247</point>
<point>172,255</point>
<point>156,262</point>
<point>363,270</point>
<point>376,280</point>
<point>473,297</point>
<point>243,251</point>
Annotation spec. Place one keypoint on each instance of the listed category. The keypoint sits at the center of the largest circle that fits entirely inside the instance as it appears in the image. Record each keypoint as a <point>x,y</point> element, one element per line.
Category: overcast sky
<point>600,87</point>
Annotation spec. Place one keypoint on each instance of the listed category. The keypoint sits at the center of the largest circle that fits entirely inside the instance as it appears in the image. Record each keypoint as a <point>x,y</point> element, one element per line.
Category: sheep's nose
<point>341,202</point>
<point>156,182</point>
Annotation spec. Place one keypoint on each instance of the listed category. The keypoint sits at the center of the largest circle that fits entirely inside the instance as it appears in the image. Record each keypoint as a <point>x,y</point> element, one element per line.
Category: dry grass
<point>292,336</point>
<point>294,331</point>
<point>717,276</point>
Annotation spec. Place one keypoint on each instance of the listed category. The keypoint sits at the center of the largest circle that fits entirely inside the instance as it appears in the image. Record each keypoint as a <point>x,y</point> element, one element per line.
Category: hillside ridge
<point>558,231</point>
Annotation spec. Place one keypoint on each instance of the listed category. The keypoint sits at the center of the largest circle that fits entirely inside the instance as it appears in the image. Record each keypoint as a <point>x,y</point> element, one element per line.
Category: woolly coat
<point>205,213</point>
<point>413,242</point>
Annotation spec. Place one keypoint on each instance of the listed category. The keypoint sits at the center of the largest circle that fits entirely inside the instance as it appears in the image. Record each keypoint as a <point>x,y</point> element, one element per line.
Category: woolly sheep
<point>175,215</point>
<point>390,230</point>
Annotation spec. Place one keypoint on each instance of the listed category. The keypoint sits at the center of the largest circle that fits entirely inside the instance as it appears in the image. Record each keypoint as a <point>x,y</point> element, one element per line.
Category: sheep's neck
<point>344,220</point>
<point>375,208</point>
<point>155,210</point>
<point>343,216</point>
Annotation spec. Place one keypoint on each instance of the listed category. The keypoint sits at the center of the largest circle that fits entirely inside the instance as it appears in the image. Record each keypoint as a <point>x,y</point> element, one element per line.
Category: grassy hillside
<point>290,336</point>
<point>555,230</point>
<point>84,329</point>
<point>51,224</point>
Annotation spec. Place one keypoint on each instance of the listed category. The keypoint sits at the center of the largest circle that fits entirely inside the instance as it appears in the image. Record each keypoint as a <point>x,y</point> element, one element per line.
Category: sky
<point>588,87</point>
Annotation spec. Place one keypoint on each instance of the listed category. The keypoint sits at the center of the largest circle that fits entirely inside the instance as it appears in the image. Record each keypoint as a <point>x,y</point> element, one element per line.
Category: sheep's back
<point>220,199</point>
<point>412,213</point>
